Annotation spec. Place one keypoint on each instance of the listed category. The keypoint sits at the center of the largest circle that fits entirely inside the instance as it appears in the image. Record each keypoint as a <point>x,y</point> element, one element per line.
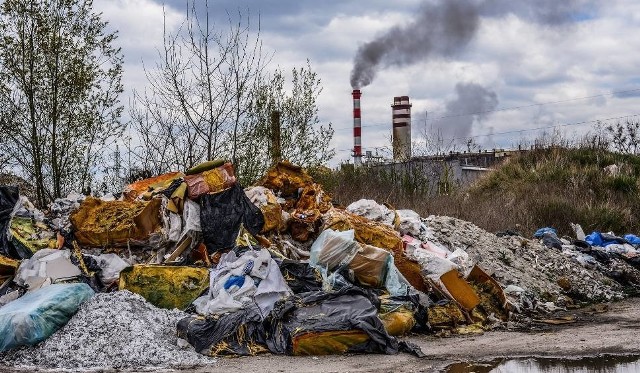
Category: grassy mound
<point>546,187</point>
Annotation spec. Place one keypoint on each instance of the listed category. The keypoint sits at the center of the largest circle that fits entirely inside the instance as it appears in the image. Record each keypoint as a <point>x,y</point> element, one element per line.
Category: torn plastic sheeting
<point>222,214</point>
<point>332,252</point>
<point>378,235</point>
<point>240,280</point>
<point>373,211</point>
<point>8,199</point>
<point>409,222</point>
<point>46,264</point>
<point>292,326</point>
<point>110,267</point>
<point>235,333</point>
<point>370,265</point>
<point>298,320</point>
<point>632,239</point>
<point>267,202</point>
<point>36,315</point>
<point>336,251</point>
<point>165,286</point>
<point>333,249</point>
<point>300,277</point>
<point>603,239</point>
<point>99,223</point>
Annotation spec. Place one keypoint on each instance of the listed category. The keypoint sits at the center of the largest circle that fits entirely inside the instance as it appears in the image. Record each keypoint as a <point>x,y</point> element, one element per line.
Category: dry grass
<point>549,187</point>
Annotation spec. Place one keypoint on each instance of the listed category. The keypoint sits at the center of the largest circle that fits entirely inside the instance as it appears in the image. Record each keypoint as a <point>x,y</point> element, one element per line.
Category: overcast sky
<point>490,57</point>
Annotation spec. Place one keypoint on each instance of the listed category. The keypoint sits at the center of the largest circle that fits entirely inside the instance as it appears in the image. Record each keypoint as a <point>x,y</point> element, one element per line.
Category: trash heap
<point>190,262</point>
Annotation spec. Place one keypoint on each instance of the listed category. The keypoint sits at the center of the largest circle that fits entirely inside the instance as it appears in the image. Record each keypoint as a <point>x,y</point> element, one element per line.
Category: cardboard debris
<point>460,290</point>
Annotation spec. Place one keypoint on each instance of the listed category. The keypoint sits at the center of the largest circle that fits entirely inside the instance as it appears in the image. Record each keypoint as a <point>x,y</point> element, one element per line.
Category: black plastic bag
<point>9,196</point>
<point>238,333</point>
<point>300,277</point>
<point>304,314</point>
<point>222,214</point>
<point>317,312</point>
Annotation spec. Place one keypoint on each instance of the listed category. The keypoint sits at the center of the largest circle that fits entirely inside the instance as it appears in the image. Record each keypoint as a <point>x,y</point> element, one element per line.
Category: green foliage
<point>60,78</point>
<point>304,141</point>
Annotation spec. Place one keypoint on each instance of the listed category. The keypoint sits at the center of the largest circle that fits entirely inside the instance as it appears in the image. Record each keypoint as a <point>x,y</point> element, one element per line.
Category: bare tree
<point>197,93</point>
<point>60,78</point>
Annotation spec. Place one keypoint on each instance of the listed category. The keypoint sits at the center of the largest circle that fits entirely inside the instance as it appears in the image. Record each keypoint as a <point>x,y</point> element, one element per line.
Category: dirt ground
<point>614,331</point>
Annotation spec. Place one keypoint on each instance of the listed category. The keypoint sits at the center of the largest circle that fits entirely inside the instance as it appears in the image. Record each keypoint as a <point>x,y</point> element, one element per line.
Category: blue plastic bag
<point>632,239</point>
<point>35,316</point>
<point>540,232</point>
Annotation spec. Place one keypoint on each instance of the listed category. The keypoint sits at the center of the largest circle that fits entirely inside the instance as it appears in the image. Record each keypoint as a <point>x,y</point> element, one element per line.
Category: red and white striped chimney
<point>357,128</point>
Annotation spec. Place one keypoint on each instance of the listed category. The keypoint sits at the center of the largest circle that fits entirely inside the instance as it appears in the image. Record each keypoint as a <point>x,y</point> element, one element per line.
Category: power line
<point>506,109</point>
<point>521,130</point>
<point>534,105</point>
<point>547,127</point>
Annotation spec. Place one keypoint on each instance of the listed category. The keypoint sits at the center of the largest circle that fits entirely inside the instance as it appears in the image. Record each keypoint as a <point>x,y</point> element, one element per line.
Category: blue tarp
<point>35,316</point>
<point>603,239</point>
<point>632,239</point>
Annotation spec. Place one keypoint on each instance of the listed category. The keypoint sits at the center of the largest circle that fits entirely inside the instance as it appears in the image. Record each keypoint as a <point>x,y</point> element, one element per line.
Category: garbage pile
<point>189,265</point>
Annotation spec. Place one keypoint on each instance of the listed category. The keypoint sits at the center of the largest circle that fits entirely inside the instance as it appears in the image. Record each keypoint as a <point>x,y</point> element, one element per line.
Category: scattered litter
<point>272,268</point>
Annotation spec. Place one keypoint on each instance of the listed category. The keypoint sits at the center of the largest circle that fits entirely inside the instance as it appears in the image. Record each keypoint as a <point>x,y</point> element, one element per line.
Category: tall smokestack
<point>357,128</point>
<point>401,115</point>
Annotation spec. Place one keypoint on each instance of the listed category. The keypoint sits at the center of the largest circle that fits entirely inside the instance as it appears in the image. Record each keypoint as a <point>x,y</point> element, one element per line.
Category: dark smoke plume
<point>446,27</point>
<point>472,103</point>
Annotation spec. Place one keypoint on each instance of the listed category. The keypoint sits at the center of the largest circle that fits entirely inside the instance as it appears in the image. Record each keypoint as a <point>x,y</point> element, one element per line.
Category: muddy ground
<point>612,329</point>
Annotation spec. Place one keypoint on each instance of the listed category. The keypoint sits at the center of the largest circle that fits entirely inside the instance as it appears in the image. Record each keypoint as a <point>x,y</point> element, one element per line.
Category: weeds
<point>542,187</point>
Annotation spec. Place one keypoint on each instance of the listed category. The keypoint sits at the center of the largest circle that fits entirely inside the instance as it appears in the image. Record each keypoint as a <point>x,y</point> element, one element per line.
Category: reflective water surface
<point>599,364</point>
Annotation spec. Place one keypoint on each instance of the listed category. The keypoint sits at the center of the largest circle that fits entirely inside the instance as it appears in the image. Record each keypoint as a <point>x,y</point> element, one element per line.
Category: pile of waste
<point>186,266</point>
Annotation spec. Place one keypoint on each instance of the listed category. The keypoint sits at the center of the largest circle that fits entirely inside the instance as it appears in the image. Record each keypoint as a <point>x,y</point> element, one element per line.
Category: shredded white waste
<point>112,331</point>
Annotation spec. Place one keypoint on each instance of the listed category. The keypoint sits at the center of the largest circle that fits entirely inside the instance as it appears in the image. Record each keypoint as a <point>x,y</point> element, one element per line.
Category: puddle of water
<point>599,364</point>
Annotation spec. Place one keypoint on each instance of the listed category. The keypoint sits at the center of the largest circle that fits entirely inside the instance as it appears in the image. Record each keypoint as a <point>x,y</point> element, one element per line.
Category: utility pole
<point>276,151</point>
